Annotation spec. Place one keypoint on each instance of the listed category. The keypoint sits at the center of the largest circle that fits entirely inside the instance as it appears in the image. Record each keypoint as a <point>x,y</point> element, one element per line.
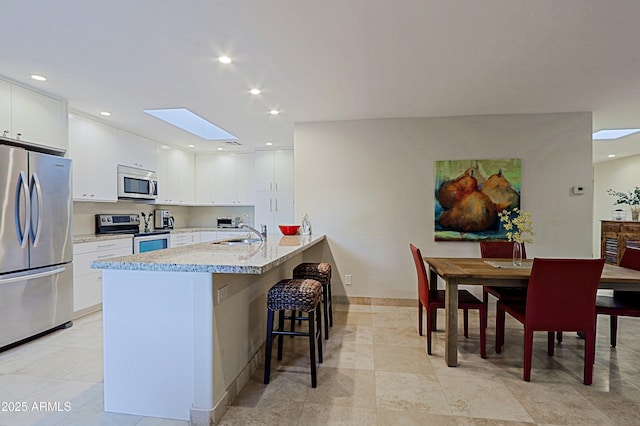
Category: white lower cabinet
<point>184,239</point>
<point>206,236</point>
<point>87,282</point>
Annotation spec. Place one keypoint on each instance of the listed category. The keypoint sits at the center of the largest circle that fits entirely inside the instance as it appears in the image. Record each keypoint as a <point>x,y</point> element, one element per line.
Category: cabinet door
<point>264,210</point>
<point>206,236</point>
<point>245,178</point>
<point>264,170</point>
<point>283,170</point>
<point>127,148</point>
<point>187,178</point>
<point>79,153</point>
<point>225,180</point>
<point>162,169</point>
<point>102,174</point>
<point>5,108</point>
<point>205,178</point>
<point>37,118</point>
<point>146,154</point>
<point>283,209</point>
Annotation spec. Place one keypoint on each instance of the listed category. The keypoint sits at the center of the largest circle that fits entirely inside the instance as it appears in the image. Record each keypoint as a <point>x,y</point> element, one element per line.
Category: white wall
<point>620,175</point>
<point>369,185</point>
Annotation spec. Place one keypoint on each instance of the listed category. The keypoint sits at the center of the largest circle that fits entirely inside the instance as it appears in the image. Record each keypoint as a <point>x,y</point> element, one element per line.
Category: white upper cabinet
<point>205,178</point>
<point>33,117</point>
<point>5,108</point>
<point>175,169</point>
<point>234,176</point>
<point>92,146</point>
<point>274,170</point>
<point>136,151</point>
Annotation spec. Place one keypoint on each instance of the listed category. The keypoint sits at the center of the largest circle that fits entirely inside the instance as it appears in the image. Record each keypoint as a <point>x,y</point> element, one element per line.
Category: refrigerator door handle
<point>22,232</point>
<point>32,276</point>
<point>36,230</point>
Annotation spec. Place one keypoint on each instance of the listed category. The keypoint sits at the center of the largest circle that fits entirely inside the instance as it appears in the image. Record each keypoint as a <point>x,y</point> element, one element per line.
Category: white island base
<point>171,348</point>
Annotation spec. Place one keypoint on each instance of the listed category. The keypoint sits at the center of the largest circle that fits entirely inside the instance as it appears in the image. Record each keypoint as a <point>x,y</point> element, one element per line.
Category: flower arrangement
<point>518,225</point>
<point>632,197</point>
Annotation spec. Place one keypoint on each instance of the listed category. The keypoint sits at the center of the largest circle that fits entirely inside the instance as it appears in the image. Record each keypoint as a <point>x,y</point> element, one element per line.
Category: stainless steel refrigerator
<point>36,253</point>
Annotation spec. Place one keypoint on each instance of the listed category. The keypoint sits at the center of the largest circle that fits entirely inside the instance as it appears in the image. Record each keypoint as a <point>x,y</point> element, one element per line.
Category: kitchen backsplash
<point>84,214</point>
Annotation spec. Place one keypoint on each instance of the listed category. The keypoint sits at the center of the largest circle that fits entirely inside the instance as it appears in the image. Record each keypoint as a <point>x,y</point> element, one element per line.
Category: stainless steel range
<point>130,224</point>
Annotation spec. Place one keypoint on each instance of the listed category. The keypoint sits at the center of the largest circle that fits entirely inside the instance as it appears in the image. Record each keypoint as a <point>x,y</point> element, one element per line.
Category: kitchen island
<point>184,327</point>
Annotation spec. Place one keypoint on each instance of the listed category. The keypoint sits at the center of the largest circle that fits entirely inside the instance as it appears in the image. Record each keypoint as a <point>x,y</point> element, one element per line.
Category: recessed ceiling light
<point>611,155</point>
<point>105,113</point>
<point>274,112</point>
<point>224,59</point>
<point>38,77</point>
<point>255,91</point>
<point>192,123</point>
<point>613,133</point>
<point>220,148</point>
<point>191,145</point>
<point>269,143</point>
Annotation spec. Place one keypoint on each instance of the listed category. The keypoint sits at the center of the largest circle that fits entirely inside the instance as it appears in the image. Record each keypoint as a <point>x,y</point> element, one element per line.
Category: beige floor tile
<point>407,360</point>
<point>321,414</point>
<point>344,387</point>
<point>362,334</point>
<point>348,355</point>
<point>265,412</point>
<point>410,391</point>
<point>352,318</point>
<point>389,417</point>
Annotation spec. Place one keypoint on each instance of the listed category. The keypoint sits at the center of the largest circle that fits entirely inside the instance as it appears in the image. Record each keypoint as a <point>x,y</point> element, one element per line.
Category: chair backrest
<point>499,249</point>
<point>561,295</point>
<point>423,280</point>
<point>631,258</point>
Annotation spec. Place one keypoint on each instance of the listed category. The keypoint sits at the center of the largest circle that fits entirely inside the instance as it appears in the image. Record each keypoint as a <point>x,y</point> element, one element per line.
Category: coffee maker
<point>162,219</point>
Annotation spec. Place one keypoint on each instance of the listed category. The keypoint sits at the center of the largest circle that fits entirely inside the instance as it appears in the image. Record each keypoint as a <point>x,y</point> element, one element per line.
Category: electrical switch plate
<point>223,293</point>
<point>578,190</point>
<point>347,279</point>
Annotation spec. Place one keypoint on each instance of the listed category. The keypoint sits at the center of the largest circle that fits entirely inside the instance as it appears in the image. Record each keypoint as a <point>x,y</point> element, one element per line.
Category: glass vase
<point>517,254</point>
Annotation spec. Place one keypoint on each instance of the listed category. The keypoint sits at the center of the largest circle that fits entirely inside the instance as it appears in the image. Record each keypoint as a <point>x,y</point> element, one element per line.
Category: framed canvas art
<point>469,194</point>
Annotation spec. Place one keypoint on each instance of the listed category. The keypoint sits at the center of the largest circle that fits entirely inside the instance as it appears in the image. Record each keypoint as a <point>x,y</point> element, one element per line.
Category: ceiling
<point>329,60</point>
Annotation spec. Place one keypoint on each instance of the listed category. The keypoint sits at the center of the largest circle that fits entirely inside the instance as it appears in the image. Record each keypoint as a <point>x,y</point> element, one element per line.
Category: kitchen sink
<point>237,242</point>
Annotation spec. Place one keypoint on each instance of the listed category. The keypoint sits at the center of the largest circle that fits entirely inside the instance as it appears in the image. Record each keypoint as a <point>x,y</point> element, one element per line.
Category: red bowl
<point>289,229</point>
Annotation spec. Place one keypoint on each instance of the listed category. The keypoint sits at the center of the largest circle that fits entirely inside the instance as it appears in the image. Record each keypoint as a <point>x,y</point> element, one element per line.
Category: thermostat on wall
<point>577,190</point>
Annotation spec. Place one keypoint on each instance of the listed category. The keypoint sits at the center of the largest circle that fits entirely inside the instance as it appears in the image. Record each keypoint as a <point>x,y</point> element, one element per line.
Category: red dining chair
<point>560,297</point>
<point>433,300</point>
<point>622,303</point>
<point>501,249</point>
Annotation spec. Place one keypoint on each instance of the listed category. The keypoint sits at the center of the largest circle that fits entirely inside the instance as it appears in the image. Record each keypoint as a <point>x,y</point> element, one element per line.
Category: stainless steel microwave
<point>137,183</point>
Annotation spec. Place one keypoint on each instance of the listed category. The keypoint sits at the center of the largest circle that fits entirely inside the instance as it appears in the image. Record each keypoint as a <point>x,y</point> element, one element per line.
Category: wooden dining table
<point>499,273</point>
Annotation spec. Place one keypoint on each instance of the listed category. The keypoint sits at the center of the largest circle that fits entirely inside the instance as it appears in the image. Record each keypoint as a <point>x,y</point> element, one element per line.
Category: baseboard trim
<point>352,300</point>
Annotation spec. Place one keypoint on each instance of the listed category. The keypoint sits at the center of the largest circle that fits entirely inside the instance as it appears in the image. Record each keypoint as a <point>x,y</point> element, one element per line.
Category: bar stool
<point>295,295</point>
<point>320,272</point>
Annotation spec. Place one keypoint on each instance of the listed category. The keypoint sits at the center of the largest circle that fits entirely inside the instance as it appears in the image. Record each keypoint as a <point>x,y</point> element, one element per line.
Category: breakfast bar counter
<point>183,327</point>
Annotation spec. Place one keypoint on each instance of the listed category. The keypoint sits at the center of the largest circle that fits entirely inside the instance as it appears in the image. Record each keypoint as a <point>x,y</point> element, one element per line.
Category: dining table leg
<point>451,323</point>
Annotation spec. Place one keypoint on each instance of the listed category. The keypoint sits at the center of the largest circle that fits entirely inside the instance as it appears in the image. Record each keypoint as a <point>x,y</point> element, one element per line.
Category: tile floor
<point>376,372</point>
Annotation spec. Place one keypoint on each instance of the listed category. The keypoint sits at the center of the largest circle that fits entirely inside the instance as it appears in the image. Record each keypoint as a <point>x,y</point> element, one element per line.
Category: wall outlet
<point>223,293</point>
<point>347,279</point>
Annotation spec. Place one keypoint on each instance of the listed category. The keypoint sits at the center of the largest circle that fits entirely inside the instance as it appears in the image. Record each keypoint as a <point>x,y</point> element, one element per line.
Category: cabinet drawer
<point>103,245</point>
<point>611,227</point>
<point>82,262</point>
<point>631,228</point>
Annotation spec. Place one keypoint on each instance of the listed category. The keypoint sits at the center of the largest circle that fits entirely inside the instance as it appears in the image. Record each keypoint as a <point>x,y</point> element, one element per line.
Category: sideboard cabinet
<point>616,236</point>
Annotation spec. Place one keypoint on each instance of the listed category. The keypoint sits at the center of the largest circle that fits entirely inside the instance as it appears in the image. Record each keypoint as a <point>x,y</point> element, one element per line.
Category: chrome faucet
<point>258,233</point>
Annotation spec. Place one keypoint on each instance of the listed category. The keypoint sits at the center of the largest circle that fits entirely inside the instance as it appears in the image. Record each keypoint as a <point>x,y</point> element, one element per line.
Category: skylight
<point>192,123</point>
<point>613,133</point>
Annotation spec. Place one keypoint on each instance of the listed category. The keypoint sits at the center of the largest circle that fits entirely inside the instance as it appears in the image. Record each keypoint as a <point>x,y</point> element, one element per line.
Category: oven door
<point>150,243</point>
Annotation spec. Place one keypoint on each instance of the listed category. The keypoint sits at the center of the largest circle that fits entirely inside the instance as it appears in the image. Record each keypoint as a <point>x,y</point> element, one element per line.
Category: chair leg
<point>325,302</point>
<point>429,325</point>
<point>420,318</point>
<point>550,342</point>
<point>465,315</point>
<point>589,356</point>
<point>312,349</point>
<point>319,332</point>
<point>280,336</point>
<point>483,332</point>
<point>613,325</point>
<point>528,354</point>
<point>330,303</point>
<point>269,343</point>
<point>559,335</point>
<point>485,302</point>
<point>499,328</point>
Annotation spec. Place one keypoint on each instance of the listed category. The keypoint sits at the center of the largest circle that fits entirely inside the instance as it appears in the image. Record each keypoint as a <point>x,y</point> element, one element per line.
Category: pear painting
<point>469,195</point>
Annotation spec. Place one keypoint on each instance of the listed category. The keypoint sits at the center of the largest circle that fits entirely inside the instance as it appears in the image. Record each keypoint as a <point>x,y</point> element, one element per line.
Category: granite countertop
<point>89,238</point>
<point>209,257</point>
